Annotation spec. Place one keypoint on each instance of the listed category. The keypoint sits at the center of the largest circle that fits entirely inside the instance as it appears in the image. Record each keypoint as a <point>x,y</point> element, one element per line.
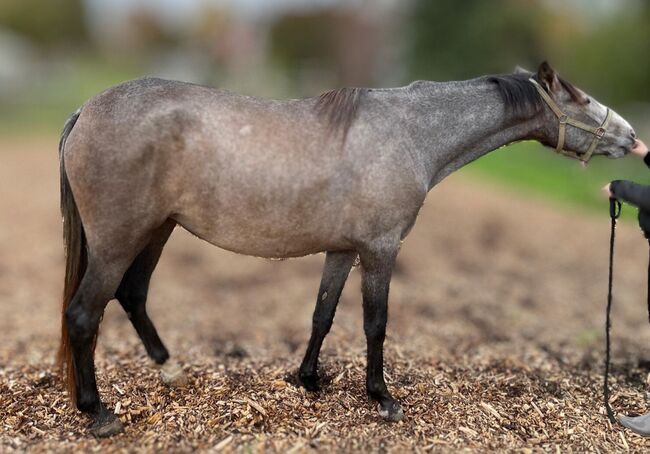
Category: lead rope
<point>614,213</point>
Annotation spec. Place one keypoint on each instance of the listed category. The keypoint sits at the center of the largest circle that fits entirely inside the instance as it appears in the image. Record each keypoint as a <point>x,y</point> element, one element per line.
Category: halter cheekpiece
<point>564,119</point>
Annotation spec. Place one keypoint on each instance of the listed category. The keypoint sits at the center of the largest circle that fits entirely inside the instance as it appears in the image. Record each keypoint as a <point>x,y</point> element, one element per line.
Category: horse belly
<point>257,198</point>
<point>266,232</point>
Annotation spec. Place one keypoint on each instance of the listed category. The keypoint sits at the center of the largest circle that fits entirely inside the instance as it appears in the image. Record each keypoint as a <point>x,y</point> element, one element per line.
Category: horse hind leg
<point>82,318</point>
<point>132,295</point>
<point>109,256</point>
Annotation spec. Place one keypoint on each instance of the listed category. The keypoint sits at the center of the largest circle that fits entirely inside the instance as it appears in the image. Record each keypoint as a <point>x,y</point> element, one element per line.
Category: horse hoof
<point>309,382</point>
<point>103,428</point>
<point>172,375</point>
<point>391,412</point>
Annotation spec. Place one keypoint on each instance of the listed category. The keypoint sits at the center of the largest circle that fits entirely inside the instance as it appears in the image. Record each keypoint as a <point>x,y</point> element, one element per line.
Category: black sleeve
<point>644,223</point>
<point>646,159</point>
<point>633,193</point>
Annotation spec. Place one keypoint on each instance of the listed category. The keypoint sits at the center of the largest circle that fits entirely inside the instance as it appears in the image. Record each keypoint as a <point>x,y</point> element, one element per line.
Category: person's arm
<point>630,192</point>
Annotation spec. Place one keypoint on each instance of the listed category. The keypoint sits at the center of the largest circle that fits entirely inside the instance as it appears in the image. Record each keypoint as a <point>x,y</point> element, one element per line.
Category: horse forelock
<point>339,107</point>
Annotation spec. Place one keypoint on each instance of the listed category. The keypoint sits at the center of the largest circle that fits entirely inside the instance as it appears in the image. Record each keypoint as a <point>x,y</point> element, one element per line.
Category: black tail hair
<point>76,260</point>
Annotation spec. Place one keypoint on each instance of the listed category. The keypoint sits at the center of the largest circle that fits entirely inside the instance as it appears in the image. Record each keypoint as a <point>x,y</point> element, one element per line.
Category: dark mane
<point>519,95</point>
<point>339,107</point>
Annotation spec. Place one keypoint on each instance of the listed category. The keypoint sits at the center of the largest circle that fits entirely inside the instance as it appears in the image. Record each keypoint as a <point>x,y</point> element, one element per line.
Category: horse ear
<point>520,70</point>
<point>548,77</point>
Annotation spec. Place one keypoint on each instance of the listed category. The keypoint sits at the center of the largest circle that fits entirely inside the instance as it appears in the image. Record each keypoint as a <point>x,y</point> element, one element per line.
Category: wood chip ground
<point>494,340</point>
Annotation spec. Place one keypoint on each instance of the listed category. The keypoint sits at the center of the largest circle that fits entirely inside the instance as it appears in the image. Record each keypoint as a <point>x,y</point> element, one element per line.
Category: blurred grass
<point>54,96</point>
<point>531,169</point>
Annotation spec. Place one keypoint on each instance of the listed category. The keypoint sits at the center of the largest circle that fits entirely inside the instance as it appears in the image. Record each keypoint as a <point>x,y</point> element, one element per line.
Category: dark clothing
<point>637,195</point>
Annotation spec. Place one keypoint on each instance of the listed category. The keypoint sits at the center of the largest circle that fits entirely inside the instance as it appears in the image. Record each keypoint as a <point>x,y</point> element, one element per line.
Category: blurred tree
<point>342,43</point>
<point>48,23</point>
<point>452,39</point>
<point>612,59</point>
<point>605,54</point>
<point>298,39</point>
<point>145,32</point>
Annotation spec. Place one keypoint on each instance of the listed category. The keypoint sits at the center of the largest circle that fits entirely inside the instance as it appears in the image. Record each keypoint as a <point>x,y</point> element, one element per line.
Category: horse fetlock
<point>88,402</point>
<point>309,380</point>
<point>159,355</point>
<point>387,406</point>
<point>377,390</point>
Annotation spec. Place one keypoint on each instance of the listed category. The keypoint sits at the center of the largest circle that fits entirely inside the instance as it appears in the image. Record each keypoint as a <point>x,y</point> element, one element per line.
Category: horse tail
<point>76,260</point>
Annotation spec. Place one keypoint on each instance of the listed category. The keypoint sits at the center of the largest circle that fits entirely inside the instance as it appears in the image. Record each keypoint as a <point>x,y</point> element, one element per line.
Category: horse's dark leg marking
<point>335,273</point>
<point>376,271</point>
<point>82,318</point>
<point>133,290</point>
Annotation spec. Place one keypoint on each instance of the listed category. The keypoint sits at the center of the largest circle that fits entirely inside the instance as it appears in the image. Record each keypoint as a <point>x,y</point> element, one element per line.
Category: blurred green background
<point>54,54</point>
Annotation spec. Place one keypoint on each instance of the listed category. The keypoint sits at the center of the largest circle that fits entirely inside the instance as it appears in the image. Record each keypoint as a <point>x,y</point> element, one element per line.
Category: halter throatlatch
<point>564,119</point>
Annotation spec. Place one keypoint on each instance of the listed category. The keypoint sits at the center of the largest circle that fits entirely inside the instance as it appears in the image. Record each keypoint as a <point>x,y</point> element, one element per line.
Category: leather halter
<point>564,119</point>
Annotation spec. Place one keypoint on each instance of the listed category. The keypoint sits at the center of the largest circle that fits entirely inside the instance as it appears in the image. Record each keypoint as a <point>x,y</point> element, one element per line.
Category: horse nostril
<point>632,133</point>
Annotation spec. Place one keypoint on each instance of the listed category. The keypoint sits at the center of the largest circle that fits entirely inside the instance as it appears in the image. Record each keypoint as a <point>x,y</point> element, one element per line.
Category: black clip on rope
<point>614,213</point>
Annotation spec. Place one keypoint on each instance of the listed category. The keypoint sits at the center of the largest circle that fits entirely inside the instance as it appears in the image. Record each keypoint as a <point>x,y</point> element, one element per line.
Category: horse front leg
<point>335,273</point>
<point>376,268</point>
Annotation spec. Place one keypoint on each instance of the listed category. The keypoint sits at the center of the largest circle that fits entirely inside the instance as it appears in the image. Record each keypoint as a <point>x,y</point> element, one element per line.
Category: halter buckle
<point>600,132</point>
<point>563,119</point>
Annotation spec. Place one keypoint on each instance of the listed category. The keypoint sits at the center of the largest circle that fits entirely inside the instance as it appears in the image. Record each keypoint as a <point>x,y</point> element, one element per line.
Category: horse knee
<point>375,331</point>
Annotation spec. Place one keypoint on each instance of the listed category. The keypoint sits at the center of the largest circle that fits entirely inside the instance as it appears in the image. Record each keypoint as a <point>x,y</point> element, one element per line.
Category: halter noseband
<point>564,119</point>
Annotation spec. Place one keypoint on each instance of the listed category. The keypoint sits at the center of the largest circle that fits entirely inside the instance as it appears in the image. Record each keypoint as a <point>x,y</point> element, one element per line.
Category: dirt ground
<point>494,338</point>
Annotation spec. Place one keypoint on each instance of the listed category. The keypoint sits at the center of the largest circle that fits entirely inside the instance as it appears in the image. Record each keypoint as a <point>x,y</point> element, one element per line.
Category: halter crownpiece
<point>564,119</point>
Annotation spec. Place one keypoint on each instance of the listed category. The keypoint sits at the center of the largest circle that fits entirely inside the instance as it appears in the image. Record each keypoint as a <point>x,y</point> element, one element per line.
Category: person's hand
<point>607,190</point>
<point>640,148</point>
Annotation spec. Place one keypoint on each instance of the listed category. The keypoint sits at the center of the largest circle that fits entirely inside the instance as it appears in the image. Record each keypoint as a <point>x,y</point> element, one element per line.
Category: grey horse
<point>345,173</point>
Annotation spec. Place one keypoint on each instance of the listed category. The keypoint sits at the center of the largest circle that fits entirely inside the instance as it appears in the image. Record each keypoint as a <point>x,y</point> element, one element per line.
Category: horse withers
<point>345,173</point>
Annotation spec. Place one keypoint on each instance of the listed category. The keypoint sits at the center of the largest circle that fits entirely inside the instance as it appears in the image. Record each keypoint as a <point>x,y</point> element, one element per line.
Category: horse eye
<point>588,101</point>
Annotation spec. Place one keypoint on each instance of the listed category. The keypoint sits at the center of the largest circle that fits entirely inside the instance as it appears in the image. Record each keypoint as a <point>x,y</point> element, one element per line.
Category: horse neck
<point>451,124</point>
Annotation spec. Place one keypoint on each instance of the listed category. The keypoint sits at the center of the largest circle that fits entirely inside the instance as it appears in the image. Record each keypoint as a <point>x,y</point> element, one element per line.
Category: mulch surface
<point>495,338</point>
